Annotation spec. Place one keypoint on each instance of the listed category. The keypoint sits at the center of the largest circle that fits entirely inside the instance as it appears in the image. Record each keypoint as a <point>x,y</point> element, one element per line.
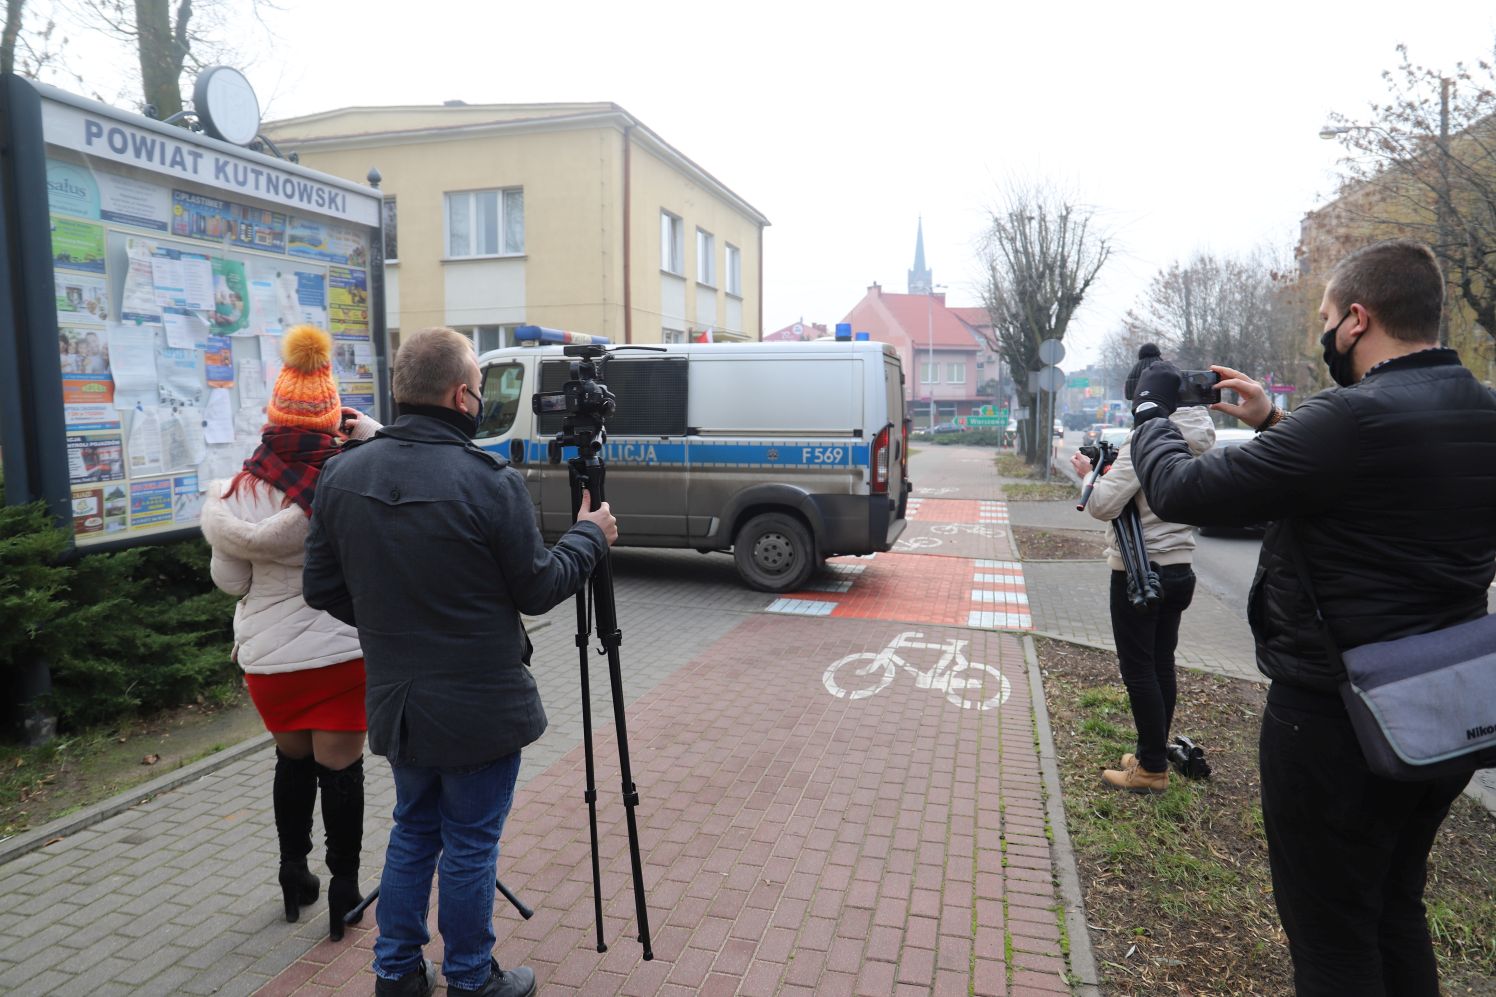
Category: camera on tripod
<point>585,395</point>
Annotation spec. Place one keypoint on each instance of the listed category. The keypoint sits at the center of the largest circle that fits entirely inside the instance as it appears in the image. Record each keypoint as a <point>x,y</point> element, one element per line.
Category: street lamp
<point>1441,196</point>
<point>930,344</point>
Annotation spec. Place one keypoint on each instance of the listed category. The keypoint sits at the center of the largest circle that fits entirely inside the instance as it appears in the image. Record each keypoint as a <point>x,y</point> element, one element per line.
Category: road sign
<point>1078,382</point>
<point>985,421</point>
<point>1051,351</point>
<point>1051,378</point>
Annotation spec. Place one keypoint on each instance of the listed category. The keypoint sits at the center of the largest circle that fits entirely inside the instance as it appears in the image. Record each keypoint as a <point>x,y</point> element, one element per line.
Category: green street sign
<point>1078,382</point>
<point>984,421</point>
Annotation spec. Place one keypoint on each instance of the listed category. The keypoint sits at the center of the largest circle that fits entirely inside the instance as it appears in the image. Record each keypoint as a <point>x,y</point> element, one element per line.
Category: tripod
<point>1143,591</point>
<point>587,471</point>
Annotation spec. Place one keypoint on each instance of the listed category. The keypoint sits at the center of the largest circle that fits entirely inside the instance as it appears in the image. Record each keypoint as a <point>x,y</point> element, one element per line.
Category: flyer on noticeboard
<point>171,302</point>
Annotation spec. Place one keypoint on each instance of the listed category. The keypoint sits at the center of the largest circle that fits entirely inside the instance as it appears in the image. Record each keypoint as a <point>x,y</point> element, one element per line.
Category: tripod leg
<point>584,629</point>
<point>612,637</point>
<point>354,915</point>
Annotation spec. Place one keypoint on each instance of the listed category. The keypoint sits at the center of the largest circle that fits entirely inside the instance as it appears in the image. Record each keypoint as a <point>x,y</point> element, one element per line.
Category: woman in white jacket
<point>1146,640</point>
<point>304,669</point>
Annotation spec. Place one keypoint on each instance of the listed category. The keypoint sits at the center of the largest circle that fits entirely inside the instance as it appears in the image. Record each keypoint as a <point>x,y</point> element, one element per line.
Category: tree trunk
<point>14,11</point>
<point>163,50</point>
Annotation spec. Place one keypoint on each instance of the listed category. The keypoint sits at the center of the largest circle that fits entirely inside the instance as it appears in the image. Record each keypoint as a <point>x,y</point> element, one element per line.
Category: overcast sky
<point>1187,126</point>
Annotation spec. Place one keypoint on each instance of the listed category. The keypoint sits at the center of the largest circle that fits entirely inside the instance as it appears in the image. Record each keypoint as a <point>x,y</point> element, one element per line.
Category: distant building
<point>798,332</point>
<point>940,351</point>
<point>921,280</point>
<point>574,216</point>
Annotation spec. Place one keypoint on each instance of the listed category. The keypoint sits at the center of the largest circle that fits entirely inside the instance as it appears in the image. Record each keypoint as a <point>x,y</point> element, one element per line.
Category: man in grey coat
<point>428,544</point>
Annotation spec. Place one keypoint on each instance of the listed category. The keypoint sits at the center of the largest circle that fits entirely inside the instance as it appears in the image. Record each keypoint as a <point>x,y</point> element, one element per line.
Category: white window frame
<point>706,258</point>
<point>957,374</point>
<point>672,244</point>
<point>501,228</point>
<point>734,270</point>
<point>929,372</point>
<point>672,335</point>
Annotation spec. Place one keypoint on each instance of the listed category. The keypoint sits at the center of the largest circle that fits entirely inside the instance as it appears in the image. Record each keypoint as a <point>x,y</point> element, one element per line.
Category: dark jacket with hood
<point>428,545</point>
<point>1389,486</point>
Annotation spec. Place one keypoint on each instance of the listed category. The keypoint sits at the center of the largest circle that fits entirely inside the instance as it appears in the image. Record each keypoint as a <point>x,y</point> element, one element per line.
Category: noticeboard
<point>157,270</point>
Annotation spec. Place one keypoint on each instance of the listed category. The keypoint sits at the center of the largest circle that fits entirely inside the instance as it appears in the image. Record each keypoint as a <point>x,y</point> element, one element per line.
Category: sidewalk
<point>794,841</point>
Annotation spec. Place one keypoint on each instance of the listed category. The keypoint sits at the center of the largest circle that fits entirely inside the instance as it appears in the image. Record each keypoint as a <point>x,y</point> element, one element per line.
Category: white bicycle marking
<point>867,673</point>
<point>916,543</point>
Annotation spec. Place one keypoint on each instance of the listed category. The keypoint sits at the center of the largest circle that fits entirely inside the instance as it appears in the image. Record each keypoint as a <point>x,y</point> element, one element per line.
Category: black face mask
<point>476,418</point>
<point>1339,363</point>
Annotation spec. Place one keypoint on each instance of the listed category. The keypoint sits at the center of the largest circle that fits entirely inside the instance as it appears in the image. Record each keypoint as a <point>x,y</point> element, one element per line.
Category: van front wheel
<point>774,552</point>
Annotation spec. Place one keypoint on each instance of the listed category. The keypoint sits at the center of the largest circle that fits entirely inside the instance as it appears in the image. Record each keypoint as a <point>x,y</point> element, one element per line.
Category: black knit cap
<point>1147,356</point>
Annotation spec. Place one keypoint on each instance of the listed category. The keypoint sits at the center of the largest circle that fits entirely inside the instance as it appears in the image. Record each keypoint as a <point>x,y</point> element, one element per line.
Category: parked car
<point>1234,438</point>
<point>1092,433</point>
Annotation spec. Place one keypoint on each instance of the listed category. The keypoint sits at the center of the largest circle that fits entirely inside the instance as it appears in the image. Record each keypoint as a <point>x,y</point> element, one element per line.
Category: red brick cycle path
<point>794,842</point>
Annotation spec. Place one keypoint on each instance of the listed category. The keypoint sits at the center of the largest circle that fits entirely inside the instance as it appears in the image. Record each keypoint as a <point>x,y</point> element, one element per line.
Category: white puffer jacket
<point>258,548</point>
<point>1167,543</point>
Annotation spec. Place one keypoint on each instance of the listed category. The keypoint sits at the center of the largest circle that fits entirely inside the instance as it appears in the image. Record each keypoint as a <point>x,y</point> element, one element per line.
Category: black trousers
<point>1145,653</point>
<point>1349,853</point>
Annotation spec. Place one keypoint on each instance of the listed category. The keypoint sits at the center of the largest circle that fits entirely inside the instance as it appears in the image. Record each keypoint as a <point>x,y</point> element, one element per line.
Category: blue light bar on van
<point>539,334</point>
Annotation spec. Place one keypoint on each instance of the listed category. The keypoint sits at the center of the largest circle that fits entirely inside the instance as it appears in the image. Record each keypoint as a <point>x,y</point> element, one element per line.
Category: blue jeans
<point>457,813</point>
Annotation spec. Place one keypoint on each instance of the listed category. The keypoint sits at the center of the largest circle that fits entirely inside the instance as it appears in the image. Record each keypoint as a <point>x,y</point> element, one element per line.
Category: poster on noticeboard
<point>173,264</point>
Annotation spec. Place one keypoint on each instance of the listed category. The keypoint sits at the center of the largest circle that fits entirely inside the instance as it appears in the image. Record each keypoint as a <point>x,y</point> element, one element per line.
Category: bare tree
<point>1245,313</point>
<point>1042,255</point>
<point>1425,166</point>
<point>29,49</point>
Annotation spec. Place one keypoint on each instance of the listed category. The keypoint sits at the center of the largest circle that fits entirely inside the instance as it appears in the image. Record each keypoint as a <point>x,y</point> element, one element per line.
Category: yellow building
<point>573,216</point>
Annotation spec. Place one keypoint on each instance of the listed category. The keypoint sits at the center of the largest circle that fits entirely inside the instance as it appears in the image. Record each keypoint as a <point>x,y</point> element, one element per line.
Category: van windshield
<point>502,384</point>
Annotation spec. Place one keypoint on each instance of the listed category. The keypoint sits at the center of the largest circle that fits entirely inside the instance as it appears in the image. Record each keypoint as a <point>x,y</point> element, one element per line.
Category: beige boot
<point>1128,761</point>
<point>1136,779</point>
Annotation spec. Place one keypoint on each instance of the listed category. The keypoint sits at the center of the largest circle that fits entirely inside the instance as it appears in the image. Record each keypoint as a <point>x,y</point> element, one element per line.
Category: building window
<point>929,373</point>
<point>672,335</point>
<point>672,244</point>
<point>706,258</point>
<point>734,270</point>
<point>391,239</point>
<point>485,223</point>
<point>958,373</point>
<point>490,337</point>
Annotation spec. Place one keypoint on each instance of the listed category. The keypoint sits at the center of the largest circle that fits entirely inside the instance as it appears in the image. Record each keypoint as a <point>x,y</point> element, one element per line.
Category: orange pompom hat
<point>305,394</point>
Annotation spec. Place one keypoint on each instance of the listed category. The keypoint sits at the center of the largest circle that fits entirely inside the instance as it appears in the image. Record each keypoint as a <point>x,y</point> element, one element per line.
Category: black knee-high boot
<point>294,795</point>
<point>343,819</point>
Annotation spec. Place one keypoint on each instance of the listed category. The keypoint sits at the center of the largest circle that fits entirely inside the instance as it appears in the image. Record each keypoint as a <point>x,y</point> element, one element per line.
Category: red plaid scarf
<point>290,459</point>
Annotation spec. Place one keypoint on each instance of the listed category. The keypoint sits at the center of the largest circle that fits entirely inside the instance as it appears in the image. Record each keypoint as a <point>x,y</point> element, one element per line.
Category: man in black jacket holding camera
<point>1385,483</point>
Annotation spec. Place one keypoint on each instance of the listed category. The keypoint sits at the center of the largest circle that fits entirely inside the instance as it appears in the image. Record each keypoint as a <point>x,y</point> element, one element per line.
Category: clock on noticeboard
<point>226,105</point>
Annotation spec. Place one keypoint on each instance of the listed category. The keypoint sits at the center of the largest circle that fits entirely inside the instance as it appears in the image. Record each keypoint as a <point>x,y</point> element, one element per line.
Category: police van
<point>784,453</point>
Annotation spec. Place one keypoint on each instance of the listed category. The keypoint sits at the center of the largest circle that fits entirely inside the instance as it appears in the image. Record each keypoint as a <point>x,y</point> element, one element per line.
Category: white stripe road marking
<point>1012,621</point>
<point>829,585</point>
<point>1012,598</point>
<point>1008,565</point>
<point>801,607</point>
<point>999,579</point>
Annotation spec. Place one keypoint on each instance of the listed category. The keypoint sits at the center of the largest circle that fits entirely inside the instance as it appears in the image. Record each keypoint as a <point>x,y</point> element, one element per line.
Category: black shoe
<point>295,795</point>
<point>514,983</point>
<point>419,982</point>
<point>299,888</point>
<point>343,818</point>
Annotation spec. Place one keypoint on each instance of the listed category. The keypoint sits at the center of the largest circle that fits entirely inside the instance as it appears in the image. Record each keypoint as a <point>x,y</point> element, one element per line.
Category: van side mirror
<point>516,451</point>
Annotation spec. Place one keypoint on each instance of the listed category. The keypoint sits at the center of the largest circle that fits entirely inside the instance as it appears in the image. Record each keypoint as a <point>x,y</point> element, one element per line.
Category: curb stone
<point>30,841</point>
<point>1082,961</point>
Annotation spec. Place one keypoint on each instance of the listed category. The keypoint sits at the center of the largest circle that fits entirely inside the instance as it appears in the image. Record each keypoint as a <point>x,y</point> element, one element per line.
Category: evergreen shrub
<point>124,633</point>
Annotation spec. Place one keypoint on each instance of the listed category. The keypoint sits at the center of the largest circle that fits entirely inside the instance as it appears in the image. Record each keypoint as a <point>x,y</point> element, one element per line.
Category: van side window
<point>651,395</point>
<point>502,384</point>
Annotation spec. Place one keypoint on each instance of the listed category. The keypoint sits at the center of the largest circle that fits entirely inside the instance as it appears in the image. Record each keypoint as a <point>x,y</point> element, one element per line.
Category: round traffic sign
<point>1051,378</point>
<point>1051,351</point>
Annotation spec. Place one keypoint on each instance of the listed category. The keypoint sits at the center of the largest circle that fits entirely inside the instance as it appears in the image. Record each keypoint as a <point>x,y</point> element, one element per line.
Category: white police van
<point>784,453</point>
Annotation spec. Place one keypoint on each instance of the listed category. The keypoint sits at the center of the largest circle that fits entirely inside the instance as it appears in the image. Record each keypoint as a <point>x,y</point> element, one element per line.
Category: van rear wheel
<point>774,552</point>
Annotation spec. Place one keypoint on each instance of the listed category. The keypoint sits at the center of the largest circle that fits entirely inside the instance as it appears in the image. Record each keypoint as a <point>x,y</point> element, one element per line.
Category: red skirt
<point>327,698</point>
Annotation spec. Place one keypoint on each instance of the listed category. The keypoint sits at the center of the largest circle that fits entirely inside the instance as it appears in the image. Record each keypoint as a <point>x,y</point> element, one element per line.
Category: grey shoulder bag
<point>1423,707</point>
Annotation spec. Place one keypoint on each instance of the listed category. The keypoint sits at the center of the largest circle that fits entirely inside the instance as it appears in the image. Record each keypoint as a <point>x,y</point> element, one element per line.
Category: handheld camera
<point>1198,387</point>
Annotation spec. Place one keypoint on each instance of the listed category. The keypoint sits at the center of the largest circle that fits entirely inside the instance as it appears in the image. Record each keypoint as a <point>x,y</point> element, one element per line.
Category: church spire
<point>921,281</point>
